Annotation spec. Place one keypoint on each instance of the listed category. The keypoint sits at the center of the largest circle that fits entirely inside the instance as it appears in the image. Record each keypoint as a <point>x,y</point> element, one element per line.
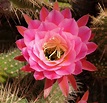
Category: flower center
<point>53,53</point>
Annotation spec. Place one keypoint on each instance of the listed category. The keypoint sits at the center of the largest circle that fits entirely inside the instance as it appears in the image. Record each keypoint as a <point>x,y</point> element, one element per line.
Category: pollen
<point>54,53</point>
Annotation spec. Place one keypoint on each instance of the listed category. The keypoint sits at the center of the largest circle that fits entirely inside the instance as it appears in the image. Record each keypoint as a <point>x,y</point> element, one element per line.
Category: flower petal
<point>77,45</point>
<point>29,35</point>
<point>21,29</point>
<point>34,24</point>
<point>78,68</point>
<point>27,68</point>
<point>27,18</point>
<point>72,81</point>
<point>69,25</point>
<point>88,66</point>
<point>84,33</point>
<point>38,75</point>
<point>85,96</point>
<point>51,75</point>
<point>56,6</point>
<point>66,13</point>
<point>83,20</point>
<point>91,47</point>
<point>66,70</point>
<point>20,44</point>
<point>69,59</point>
<point>48,87</point>
<point>35,66</point>
<point>46,26</point>
<point>43,13</point>
<point>63,84</point>
<point>82,53</point>
<point>20,58</point>
<point>55,17</point>
<point>25,54</point>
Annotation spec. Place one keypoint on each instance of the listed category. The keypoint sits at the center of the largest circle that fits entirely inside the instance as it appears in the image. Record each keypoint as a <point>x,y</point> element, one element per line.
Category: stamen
<point>53,50</point>
<point>54,53</point>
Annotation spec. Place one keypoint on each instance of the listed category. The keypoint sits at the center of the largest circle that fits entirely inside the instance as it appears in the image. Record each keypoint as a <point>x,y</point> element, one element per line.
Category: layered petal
<point>84,33</point>
<point>43,14</point>
<point>66,70</point>
<point>72,81</point>
<point>91,47</point>
<point>66,13</point>
<point>38,75</point>
<point>56,6</point>
<point>27,68</point>
<point>63,84</point>
<point>21,29</point>
<point>34,24</point>
<point>20,44</point>
<point>20,58</point>
<point>29,35</point>
<point>82,53</point>
<point>51,75</point>
<point>27,18</point>
<point>48,87</point>
<point>78,68</point>
<point>69,25</point>
<point>88,66</point>
<point>83,20</point>
<point>55,17</point>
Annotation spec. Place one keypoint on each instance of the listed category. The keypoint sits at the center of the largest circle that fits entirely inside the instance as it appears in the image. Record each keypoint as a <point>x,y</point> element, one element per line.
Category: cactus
<point>100,56</point>
<point>8,66</point>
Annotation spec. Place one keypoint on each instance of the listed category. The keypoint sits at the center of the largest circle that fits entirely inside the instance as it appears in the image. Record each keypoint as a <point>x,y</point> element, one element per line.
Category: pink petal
<point>27,18</point>
<point>72,81</point>
<point>88,66</point>
<point>77,45</point>
<point>46,26</point>
<point>85,96</point>
<point>51,75</point>
<point>25,53</point>
<point>56,6</point>
<point>38,75</point>
<point>69,25</point>
<point>20,58</point>
<point>66,70</point>
<point>84,33</point>
<point>70,58</point>
<point>20,44</point>
<point>92,36</point>
<point>63,84</point>
<point>83,20</point>
<point>48,87</point>
<point>66,13</point>
<point>43,13</point>
<point>91,47</point>
<point>27,68</point>
<point>21,29</point>
<point>82,101</point>
<point>34,24</point>
<point>78,68</point>
<point>82,52</point>
<point>48,67</point>
<point>32,55</point>
<point>55,17</point>
<point>29,35</point>
<point>35,66</point>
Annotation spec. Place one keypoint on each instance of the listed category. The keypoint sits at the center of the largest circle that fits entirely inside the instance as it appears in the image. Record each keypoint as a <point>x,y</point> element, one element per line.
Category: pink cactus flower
<point>55,47</point>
